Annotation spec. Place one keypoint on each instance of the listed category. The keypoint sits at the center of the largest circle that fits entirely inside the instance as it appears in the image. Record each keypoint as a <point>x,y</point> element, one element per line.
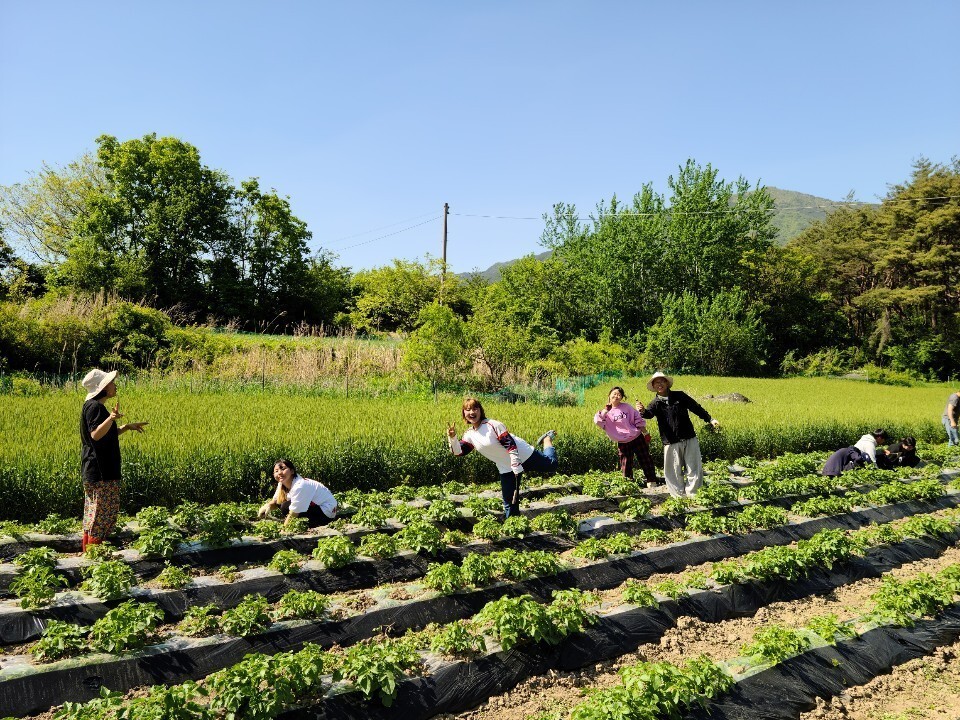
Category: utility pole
<point>443,256</point>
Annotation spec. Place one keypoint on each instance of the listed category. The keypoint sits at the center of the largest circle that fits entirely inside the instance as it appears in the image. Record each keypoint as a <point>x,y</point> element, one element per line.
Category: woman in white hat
<point>681,449</point>
<point>100,456</point>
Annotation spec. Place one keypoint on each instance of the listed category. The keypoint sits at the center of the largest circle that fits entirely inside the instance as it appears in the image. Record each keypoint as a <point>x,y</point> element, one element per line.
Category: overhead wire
<point>855,203</point>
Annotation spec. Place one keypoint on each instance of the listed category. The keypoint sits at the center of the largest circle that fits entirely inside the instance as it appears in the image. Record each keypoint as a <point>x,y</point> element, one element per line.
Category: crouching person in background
<point>298,496</point>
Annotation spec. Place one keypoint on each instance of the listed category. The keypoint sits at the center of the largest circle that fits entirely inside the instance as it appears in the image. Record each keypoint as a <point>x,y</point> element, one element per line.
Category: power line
<point>382,227</point>
<point>367,242</point>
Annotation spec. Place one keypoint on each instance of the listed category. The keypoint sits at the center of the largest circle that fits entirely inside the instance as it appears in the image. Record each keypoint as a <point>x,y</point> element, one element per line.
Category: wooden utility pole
<point>443,256</point>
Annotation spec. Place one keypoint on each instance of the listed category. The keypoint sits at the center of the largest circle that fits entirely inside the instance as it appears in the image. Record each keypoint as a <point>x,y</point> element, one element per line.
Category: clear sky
<point>371,115</point>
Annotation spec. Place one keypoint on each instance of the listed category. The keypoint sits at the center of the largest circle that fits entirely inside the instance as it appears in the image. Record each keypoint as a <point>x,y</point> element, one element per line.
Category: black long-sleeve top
<point>672,412</point>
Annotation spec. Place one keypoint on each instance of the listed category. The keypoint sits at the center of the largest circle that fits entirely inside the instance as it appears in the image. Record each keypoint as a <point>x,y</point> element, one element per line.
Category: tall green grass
<point>214,446</point>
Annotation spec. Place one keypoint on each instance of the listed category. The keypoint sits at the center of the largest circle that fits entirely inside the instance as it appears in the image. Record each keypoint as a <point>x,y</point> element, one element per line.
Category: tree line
<point>690,279</point>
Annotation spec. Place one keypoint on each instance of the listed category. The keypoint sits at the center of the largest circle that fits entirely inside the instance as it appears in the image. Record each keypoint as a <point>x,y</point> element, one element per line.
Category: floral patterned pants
<point>101,506</point>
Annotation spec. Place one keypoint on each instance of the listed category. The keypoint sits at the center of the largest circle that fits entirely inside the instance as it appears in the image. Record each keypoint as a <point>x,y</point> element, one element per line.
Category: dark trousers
<point>314,515</point>
<point>545,461</point>
<point>638,448</point>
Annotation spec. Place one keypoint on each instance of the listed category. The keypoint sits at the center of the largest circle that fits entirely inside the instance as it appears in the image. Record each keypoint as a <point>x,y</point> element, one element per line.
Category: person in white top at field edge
<point>300,497</point>
<point>511,454</point>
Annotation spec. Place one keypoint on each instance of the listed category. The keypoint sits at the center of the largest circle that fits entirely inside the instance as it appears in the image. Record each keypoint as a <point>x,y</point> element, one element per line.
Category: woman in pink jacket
<point>627,428</point>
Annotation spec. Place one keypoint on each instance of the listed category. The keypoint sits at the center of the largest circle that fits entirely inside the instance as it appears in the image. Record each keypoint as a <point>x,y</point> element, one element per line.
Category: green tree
<point>437,350</point>
<point>390,298</point>
<point>507,334</point>
<point>630,258</point>
<point>718,335</point>
<point>891,270</point>
<point>161,212</point>
<point>39,213</point>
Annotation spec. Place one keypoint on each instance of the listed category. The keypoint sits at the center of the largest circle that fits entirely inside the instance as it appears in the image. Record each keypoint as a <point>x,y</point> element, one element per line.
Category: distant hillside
<point>795,211</point>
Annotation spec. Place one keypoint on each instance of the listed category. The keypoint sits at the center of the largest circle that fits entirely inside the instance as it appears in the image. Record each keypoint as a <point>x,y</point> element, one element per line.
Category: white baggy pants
<point>678,456</point>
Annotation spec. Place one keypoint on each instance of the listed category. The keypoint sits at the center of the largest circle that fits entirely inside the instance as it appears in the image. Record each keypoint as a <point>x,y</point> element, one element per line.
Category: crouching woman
<point>298,496</point>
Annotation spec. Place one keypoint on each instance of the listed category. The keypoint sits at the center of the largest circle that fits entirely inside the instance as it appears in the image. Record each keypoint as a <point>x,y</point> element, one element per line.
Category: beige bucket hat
<point>659,375</point>
<point>96,380</point>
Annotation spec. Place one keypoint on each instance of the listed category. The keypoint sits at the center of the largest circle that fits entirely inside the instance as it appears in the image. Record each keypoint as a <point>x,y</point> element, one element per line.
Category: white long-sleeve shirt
<point>492,440</point>
<point>304,491</point>
<point>868,444</point>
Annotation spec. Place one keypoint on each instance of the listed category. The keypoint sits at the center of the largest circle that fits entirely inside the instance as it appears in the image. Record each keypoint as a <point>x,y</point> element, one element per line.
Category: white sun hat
<point>659,375</point>
<point>95,381</point>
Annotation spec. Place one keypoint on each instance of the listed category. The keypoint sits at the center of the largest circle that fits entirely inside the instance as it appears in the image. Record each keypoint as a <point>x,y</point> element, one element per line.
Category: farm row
<point>219,447</point>
<point>448,577</point>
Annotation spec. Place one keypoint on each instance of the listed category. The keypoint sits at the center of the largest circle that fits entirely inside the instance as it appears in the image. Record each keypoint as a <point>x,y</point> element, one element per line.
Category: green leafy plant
<point>227,573</point>
<point>335,552</point>
<point>100,551</point>
<point>267,529</point>
<point>306,605</point>
<point>457,638</point>
<point>53,524</point>
<point>555,523</point>
<point>455,537</point>
<point>445,578</point>
<point>128,626</point>
<point>653,535</point>
<point>199,621</point>
<point>378,545</point>
<point>488,528</point>
<point>637,593</point>
<point>371,516</point>
<point>830,628</point>
<point>173,577</point>
<point>37,586</point>
<point>406,513</point>
<point>287,562</point>
<point>774,644</point>
<point>716,493</point>
<point>294,526</point>
<point>635,508</point>
<point>250,617</point>
<point>375,668</point>
<point>478,570</point>
<point>220,524</point>
<point>153,516</point>
<point>159,542</point>
<point>60,640</point>
<point>674,506</point>
<point>37,557</point>
<point>481,506</point>
<point>108,580</point>
<point>512,620</point>
<point>443,511</point>
<point>517,526</point>
<point>761,516</point>
<point>422,537</point>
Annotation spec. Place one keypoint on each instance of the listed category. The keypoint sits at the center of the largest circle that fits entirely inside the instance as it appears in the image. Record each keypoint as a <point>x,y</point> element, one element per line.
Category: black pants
<point>314,515</point>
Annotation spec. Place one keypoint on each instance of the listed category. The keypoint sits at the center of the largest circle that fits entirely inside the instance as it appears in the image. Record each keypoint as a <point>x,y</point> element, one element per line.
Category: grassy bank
<point>212,446</point>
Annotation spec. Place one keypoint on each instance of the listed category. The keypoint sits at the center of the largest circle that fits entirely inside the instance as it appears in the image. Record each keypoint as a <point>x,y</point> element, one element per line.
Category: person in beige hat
<point>100,456</point>
<point>681,449</point>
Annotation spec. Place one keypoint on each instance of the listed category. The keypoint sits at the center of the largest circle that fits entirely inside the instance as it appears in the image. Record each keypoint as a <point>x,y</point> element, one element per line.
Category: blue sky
<point>370,116</point>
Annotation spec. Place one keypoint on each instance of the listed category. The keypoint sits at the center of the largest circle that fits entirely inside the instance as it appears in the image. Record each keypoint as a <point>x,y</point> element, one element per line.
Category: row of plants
<point>649,690</point>
<point>510,621</point>
<point>261,686</point>
<point>38,583</point>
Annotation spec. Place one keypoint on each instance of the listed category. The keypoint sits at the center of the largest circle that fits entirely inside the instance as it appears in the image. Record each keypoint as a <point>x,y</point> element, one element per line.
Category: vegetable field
<point>772,593</point>
<point>219,447</point>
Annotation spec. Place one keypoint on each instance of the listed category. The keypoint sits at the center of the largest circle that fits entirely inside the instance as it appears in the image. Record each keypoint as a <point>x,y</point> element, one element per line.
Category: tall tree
<point>39,213</point>
<point>161,212</point>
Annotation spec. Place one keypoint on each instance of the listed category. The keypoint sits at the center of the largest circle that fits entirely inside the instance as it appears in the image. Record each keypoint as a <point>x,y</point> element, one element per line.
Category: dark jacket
<point>848,458</point>
<point>673,415</point>
<point>898,457</point>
